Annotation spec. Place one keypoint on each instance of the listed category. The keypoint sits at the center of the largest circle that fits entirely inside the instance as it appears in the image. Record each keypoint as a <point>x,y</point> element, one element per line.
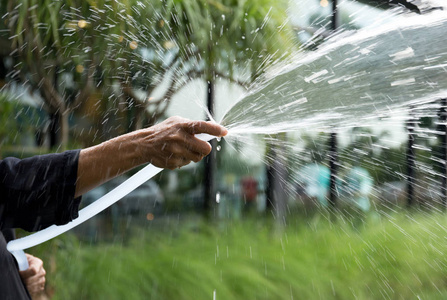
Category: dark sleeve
<point>39,191</point>
<point>9,234</point>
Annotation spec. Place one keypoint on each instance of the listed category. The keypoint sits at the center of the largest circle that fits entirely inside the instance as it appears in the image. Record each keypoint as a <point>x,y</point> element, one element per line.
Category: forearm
<point>105,161</point>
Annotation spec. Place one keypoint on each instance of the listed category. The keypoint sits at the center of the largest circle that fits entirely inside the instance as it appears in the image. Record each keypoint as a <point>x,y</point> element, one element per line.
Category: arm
<point>43,190</point>
<point>170,144</point>
<point>37,192</point>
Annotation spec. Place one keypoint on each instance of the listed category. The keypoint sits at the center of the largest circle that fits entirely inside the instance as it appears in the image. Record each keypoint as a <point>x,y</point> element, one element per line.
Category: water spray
<point>17,246</point>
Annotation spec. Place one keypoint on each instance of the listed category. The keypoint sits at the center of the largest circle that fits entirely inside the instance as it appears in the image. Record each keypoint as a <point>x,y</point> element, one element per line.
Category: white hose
<point>17,246</point>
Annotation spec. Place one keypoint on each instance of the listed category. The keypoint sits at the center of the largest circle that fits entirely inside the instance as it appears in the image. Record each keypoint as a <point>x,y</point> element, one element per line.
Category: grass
<point>403,257</point>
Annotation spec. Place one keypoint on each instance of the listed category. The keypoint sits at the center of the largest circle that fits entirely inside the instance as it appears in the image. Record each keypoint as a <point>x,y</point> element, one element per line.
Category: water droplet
<point>218,197</point>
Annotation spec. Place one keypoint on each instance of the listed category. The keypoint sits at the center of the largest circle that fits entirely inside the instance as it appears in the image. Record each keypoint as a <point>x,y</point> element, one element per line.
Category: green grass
<point>399,258</point>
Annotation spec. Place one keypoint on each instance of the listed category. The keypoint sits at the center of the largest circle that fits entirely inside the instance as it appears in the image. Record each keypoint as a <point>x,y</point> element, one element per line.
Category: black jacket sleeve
<point>9,234</point>
<point>39,191</point>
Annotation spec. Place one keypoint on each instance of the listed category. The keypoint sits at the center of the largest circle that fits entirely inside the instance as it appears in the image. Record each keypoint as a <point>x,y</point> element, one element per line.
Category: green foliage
<point>397,258</point>
<point>231,34</point>
<point>124,50</point>
<point>7,124</point>
<point>316,147</point>
<point>18,121</point>
<point>384,164</point>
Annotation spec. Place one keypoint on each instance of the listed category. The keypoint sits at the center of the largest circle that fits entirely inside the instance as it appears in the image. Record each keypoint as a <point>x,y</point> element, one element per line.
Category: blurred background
<point>352,214</point>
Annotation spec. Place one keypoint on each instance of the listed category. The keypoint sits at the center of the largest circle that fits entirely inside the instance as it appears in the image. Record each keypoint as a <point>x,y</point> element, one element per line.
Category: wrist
<point>123,152</point>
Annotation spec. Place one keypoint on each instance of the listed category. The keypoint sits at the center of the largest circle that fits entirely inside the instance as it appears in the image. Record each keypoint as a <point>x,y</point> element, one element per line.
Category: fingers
<point>193,156</point>
<point>186,145</point>
<point>187,141</point>
<point>34,276</point>
<point>36,286</point>
<point>173,144</point>
<point>196,127</point>
<point>175,162</point>
<point>197,147</point>
<point>35,266</point>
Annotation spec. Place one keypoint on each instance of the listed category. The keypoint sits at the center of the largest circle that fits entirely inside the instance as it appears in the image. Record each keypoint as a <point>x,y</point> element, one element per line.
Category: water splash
<point>395,71</point>
<point>352,78</point>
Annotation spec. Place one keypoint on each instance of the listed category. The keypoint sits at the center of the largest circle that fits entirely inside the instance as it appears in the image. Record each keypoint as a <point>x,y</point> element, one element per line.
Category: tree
<point>22,127</point>
<point>233,40</point>
<point>39,43</point>
<point>230,39</point>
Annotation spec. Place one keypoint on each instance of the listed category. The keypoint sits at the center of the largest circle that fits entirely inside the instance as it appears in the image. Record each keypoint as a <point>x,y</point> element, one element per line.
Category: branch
<point>86,91</point>
<point>51,95</point>
<point>128,90</point>
<point>313,31</point>
<point>175,86</point>
<point>243,84</point>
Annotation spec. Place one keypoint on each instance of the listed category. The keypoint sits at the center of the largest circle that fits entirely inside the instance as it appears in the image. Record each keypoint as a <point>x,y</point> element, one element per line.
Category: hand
<point>34,277</point>
<point>172,144</point>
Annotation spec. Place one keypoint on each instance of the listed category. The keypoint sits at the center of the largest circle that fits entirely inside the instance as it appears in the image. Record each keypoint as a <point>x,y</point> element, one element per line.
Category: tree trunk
<point>52,130</point>
<point>209,195</point>
<point>276,185</point>
<point>443,151</point>
<point>140,110</point>
<point>410,162</point>
<point>334,20</point>
<point>65,130</point>
<point>333,163</point>
<point>59,130</point>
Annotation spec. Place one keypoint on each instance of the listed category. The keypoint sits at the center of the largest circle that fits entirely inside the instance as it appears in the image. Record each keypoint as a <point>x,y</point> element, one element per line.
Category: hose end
<point>21,259</point>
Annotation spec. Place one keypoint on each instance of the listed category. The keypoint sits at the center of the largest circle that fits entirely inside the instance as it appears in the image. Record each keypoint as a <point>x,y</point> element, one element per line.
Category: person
<point>44,190</point>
